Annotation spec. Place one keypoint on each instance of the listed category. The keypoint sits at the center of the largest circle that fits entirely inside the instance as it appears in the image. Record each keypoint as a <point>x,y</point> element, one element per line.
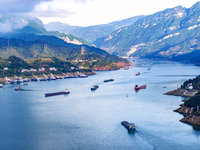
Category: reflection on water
<point>87,119</point>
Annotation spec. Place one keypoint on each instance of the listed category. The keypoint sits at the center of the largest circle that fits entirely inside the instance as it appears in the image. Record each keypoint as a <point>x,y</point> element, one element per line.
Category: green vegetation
<point>193,101</point>
<point>34,47</point>
<point>162,35</point>
<point>195,83</point>
<point>15,66</point>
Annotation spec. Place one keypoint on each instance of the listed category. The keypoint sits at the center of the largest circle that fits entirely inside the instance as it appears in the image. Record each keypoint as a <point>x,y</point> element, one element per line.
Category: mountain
<point>165,34</point>
<point>91,33</point>
<point>31,41</point>
<point>60,27</point>
<point>14,26</point>
<point>15,66</point>
<point>43,46</point>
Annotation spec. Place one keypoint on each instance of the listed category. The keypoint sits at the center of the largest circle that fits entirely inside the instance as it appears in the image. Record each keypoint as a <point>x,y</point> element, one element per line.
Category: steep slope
<point>91,33</point>
<point>167,34</point>
<point>60,27</point>
<point>15,26</point>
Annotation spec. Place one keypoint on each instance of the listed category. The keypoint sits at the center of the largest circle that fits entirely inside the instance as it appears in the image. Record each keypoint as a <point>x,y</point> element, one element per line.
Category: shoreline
<point>181,92</point>
<point>189,117</point>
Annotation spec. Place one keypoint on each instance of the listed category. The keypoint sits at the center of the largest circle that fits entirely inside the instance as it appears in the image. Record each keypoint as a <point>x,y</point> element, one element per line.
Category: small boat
<point>108,80</point>
<point>22,84</point>
<point>127,125</point>
<point>140,87</point>
<point>17,88</point>
<point>1,85</point>
<point>137,74</point>
<point>126,68</point>
<point>94,87</point>
<point>57,93</point>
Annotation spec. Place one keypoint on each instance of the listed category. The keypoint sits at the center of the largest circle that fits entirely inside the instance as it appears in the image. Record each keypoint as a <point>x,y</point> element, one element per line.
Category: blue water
<point>90,120</point>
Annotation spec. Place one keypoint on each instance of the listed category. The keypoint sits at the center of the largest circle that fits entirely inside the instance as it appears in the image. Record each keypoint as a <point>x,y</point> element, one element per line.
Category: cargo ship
<point>108,80</point>
<point>57,93</point>
<point>94,87</point>
<point>127,125</point>
<point>140,87</point>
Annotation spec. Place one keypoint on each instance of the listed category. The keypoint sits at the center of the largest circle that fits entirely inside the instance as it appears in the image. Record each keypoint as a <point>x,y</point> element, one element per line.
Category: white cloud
<point>16,6</point>
<point>89,12</point>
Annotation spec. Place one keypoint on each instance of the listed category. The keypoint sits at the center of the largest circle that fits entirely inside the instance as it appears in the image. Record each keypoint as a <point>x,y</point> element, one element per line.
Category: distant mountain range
<point>171,33</point>
<point>91,33</point>
<point>26,38</point>
<point>14,26</point>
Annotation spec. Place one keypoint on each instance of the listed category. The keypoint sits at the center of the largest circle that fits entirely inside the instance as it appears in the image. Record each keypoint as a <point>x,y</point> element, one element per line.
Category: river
<point>86,119</point>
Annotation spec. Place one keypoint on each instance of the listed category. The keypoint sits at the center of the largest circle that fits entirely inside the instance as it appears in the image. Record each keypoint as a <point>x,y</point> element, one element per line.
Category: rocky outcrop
<point>2,80</point>
<point>75,41</point>
<point>182,92</point>
<point>190,117</point>
<point>122,64</point>
<point>105,68</point>
<point>184,110</point>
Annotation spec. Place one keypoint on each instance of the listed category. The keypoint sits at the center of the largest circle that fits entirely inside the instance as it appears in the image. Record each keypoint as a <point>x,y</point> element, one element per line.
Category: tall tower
<point>82,50</point>
<point>45,47</point>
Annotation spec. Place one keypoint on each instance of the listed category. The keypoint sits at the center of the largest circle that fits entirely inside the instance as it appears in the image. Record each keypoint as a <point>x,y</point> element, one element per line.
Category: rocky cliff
<point>190,117</point>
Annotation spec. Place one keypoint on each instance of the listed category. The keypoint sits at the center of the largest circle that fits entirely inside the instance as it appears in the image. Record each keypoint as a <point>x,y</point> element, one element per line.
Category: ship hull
<point>129,126</point>
<point>108,80</point>
<point>56,93</point>
<point>140,87</point>
<point>94,87</point>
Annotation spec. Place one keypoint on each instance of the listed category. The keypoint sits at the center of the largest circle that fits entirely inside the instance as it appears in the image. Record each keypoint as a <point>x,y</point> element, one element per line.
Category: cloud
<point>5,27</point>
<point>49,12</point>
<point>19,6</point>
<point>8,23</point>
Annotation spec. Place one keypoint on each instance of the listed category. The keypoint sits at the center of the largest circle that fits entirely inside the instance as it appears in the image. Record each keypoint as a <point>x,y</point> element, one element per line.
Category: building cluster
<point>40,70</point>
<point>83,60</point>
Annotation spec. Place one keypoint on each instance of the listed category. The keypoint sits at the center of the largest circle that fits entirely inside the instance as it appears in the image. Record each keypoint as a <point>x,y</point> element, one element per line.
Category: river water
<point>90,120</point>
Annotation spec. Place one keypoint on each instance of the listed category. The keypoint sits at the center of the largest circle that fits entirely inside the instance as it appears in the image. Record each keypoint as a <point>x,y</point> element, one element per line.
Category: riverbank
<point>182,92</point>
<point>189,116</point>
<point>187,112</point>
<point>109,68</point>
<point>45,77</point>
<point>2,80</point>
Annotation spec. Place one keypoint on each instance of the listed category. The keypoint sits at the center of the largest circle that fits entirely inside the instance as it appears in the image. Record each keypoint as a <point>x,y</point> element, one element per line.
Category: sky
<point>88,12</point>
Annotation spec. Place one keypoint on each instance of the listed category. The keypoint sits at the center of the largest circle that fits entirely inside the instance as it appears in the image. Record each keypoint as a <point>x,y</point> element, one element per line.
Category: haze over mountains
<point>173,33</point>
<point>166,34</point>
<point>91,33</point>
<point>30,40</point>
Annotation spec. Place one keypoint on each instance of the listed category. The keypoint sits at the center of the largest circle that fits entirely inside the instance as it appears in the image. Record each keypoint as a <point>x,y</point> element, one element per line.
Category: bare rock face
<point>75,41</point>
<point>104,68</point>
<point>184,110</point>
<point>190,118</point>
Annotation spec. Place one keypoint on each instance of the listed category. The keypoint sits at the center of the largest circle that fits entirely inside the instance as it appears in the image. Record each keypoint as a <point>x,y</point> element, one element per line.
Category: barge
<point>127,125</point>
<point>108,80</point>
<point>57,93</point>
